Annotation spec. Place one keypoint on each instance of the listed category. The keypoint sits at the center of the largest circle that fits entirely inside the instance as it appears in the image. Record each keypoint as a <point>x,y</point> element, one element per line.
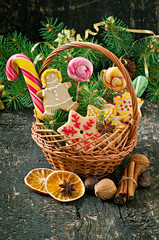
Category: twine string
<point>128,178</point>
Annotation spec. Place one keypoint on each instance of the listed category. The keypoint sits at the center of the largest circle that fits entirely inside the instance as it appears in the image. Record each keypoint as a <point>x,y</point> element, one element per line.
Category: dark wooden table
<point>27,215</point>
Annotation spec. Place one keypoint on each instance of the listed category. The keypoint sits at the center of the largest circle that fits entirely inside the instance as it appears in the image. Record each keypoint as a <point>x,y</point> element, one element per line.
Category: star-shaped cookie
<point>107,114</point>
<point>124,108</point>
<point>80,127</point>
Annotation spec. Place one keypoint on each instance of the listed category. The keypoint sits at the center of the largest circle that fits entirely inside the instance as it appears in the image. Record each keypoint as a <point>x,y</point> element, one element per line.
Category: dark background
<point>25,15</point>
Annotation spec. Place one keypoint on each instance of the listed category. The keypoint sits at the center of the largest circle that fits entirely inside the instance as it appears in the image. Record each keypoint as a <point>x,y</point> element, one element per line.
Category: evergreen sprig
<point>50,30</point>
<point>17,95</point>
<point>20,43</point>
<point>115,37</point>
<point>56,119</point>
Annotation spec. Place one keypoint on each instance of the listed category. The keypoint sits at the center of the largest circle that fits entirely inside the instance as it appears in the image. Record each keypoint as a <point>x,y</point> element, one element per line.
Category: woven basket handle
<point>108,54</point>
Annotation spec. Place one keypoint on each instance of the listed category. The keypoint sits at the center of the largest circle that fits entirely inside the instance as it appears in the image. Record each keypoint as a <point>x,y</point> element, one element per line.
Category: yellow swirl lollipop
<point>114,80</point>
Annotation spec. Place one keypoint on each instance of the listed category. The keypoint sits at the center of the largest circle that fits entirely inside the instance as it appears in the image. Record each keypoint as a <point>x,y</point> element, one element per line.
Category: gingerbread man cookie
<point>55,94</point>
<point>80,127</point>
<point>123,106</point>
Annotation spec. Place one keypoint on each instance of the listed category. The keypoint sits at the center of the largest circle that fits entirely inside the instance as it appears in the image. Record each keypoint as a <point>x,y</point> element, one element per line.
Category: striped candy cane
<point>30,75</point>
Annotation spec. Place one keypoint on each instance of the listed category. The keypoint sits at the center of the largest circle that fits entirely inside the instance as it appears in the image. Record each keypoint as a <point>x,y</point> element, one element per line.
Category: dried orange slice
<point>64,186</point>
<point>36,178</point>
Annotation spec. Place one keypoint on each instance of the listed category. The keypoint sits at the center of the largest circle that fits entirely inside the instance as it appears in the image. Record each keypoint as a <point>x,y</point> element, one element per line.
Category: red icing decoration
<point>88,124</point>
<point>69,130</point>
<point>122,109</point>
<point>89,134</point>
<point>111,102</point>
<point>75,120</point>
<point>74,141</point>
<point>128,109</point>
<point>130,105</point>
<point>124,101</point>
<point>87,147</point>
<point>121,105</point>
<point>130,114</point>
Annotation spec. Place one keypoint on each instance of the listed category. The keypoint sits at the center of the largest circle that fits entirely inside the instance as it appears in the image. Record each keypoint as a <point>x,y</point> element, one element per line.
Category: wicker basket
<point>102,158</point>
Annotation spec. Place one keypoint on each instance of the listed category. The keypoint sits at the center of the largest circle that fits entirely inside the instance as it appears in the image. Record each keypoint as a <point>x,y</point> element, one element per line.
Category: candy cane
<point>30,75</point>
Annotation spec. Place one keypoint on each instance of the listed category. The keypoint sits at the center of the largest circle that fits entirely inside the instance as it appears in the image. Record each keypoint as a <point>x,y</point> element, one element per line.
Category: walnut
<point>105,189</point>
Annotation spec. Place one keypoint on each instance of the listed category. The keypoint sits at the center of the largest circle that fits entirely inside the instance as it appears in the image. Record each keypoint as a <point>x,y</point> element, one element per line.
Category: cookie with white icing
<point>55,94</point>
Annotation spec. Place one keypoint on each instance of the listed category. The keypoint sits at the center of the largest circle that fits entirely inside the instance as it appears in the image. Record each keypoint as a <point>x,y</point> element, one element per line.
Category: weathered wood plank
<point>28,215</point>
<point>79,14</point>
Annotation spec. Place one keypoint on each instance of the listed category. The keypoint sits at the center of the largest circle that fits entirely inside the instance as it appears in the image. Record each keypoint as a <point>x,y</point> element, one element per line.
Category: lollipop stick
<point>108,93</point>
<point>77,90</point>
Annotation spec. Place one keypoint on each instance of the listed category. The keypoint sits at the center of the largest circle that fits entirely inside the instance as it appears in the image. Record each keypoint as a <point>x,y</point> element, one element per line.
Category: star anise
<point>67,188</point>
<point>105,127</point>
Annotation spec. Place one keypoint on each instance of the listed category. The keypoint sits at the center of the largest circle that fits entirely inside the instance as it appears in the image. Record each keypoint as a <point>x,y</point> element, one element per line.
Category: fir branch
<point>57,118</point>
<point>18,95</point>
<point>20,43</point>
<point>50,30</point>
<point>3,55</point>
<point>152,93</point>
<point>116,38</point>
<point>92,94</point>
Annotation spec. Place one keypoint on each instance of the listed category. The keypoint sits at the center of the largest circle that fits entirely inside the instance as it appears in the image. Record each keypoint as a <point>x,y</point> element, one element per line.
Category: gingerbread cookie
<point>106,116</point>
<point>123,106</point>
<point>80,127</point>
<point>107,113</point>
<point>55,94</point>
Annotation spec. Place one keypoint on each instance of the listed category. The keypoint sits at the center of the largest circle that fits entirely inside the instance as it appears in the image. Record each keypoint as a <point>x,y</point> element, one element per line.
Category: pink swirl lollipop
<point>30,75</point>
<point>79,69</point>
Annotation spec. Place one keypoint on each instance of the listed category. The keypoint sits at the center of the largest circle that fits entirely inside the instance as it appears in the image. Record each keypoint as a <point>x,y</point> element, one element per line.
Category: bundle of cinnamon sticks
<point>137,164</point>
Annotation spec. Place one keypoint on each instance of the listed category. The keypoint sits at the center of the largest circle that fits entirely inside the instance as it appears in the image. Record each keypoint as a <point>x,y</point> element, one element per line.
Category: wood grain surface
<point>26,16</point>
<point>27,215</point>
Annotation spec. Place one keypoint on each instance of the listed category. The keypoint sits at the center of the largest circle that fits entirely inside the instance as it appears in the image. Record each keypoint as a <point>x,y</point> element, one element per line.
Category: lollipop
<point>30,75</point>
<point>79,69</point>
<point>114,80</point>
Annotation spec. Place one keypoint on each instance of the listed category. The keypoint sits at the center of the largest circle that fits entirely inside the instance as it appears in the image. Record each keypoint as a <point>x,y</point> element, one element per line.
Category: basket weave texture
<point>102,158</point>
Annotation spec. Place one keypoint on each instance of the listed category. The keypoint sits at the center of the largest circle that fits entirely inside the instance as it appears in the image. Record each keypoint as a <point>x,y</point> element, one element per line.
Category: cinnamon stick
<point>121,194</point>
<point>130,180</point>
<point>116,198</point>
<point>137,163</point>
<point>137,171</point>
<point>125,181</point>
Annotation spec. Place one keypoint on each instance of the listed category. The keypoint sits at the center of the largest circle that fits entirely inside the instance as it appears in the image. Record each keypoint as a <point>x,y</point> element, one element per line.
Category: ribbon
<point>46,43</point>
<point>112,20</point>
<point>67,35</point>
<point>40,56</point>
